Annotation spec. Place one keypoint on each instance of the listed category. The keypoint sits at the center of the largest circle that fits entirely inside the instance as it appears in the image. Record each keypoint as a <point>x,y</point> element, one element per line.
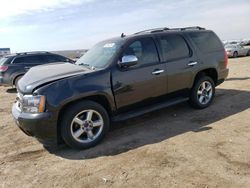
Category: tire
<point>199,97</point>
<point>248,53</point>
<point>80,129</point>
<point>17,79</point>
<point>235,54</point>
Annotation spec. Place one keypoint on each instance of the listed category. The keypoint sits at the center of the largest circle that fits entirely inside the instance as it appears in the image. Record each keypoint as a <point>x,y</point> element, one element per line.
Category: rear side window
<point>55,58</point>
<point>30,60</point>
<point>144,49</point>
<point>173,47</point>
<point>206,41</point>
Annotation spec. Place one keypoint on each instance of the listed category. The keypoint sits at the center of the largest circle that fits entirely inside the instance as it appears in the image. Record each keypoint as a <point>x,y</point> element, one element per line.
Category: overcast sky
<point>27,25</point>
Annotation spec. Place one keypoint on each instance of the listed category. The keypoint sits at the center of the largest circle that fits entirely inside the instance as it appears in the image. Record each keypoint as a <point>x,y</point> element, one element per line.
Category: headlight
<point>33,104</point>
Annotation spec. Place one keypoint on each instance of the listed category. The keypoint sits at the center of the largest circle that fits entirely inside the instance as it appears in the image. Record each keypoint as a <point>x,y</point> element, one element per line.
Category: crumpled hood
<point>40,75</point>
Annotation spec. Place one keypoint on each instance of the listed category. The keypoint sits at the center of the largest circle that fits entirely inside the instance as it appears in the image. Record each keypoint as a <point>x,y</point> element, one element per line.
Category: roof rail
<point>189,28</point>
<point>153,30</point>
<point>33,52</point>
<point>156,30</point>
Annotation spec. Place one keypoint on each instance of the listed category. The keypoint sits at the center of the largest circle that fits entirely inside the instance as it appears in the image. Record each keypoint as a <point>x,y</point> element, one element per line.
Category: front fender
<point>61,92</point>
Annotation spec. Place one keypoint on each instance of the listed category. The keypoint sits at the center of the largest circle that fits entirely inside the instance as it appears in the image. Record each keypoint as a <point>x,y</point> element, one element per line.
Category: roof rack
<point>33,52</point>
<point>189,28</point>
<point>156,30</point>
<point>153,30</point>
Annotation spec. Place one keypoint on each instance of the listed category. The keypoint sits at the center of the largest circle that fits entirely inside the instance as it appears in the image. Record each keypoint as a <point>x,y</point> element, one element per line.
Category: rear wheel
<point>235,54</point>
<point>202,93</point>
<point>84,124</point>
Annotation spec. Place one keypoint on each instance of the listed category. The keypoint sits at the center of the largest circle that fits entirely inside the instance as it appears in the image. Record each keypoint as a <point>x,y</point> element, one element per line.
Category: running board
<point>147,109</point>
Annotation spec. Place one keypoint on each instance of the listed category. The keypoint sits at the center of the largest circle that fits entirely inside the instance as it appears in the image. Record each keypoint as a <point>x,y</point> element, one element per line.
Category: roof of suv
<point>27,53</point>
<point>165,29</point>
<point>162,30</point>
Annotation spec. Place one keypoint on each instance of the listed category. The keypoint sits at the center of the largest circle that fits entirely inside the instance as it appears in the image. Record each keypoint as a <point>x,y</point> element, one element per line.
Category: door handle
<point>157,72</point>
<point>27,68</point>
<point>192,63</point>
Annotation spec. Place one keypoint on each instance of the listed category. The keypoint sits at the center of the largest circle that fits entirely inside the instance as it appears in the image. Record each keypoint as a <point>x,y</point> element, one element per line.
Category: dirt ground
<point>174,147</point>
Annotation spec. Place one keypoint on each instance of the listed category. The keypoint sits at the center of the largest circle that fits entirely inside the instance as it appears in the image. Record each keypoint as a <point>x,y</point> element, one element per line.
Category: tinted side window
<point>30,60</point>
<point>144,49</point>
<point>206,41</point>
<point>55,58</point>
<point>173,47</point>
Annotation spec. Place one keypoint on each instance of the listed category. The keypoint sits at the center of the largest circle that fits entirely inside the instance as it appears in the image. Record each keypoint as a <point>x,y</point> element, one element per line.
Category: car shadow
<point>11,90</point>
<point>237,78</point>
<point>161,125</point>
<point>238,57</point>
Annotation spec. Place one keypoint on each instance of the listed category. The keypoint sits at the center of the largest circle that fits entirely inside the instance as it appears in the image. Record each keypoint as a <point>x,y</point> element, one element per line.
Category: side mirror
<point>128,61</point>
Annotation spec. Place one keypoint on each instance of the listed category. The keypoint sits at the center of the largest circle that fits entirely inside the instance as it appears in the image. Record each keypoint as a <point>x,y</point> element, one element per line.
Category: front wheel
<point>84,124</point>
<point>202,93</point>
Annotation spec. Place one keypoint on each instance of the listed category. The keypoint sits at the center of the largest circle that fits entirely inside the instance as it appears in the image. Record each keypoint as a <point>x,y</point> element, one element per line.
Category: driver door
<point>139,84</point>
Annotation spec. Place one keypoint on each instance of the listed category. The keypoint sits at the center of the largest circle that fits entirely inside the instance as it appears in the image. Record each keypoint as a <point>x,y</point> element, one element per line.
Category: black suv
<point>118,79</point>
<point>13,67</point>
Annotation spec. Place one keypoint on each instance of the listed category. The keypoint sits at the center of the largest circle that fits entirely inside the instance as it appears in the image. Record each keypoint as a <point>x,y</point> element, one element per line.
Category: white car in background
<point>235,50</point>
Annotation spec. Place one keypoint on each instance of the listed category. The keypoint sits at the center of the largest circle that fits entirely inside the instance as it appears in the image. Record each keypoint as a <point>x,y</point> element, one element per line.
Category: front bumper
<point>40,125</point>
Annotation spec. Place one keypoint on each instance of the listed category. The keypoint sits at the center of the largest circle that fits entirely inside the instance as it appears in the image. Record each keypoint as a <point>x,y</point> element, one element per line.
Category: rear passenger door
<point>26,62</point>
<point>242,51</point>
<point>180,61</point>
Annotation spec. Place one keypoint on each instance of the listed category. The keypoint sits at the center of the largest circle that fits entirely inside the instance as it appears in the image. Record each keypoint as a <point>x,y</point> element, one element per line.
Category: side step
<point>147,109</point>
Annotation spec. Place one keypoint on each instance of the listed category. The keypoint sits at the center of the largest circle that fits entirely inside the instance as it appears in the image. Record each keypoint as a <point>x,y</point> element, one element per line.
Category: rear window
<point>173,47</point>
<point>206,41</point>
<point>55,58</point>
<point>3,60</point>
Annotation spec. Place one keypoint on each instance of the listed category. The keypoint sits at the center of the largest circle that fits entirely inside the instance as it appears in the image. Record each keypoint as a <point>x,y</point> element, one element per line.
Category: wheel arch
<point>15,77</point>
<point>98,98</point>
<point>211,72</point>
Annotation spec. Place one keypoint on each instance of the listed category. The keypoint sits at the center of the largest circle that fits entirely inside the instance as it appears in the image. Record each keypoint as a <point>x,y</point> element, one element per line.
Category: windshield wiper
<point>87,65</point>
<point>84,64</point>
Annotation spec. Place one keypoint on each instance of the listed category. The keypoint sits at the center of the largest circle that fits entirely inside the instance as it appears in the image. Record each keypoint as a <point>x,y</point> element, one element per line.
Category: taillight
<point>3,68</point>
<point>225,58</point>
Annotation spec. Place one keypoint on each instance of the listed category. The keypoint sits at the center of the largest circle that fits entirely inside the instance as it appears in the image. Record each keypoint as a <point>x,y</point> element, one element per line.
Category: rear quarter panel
<point>12,72</point>
<point>213,59</point>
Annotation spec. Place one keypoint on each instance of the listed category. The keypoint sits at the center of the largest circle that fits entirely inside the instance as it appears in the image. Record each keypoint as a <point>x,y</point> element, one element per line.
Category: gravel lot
<point>174,147</point>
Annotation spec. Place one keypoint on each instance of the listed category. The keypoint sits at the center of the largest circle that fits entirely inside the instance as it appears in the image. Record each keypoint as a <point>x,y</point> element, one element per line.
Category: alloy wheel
<point>205,92</point>
<point>86,126</point>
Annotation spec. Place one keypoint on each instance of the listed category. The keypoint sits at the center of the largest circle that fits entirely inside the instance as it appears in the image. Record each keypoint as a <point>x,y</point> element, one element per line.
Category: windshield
<point>100,55</point>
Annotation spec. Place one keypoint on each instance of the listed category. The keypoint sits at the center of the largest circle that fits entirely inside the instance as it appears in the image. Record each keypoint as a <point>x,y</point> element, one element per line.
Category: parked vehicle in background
<point>233,42</point>
<point>119,79</point>
<point>236,50</point>
<point>4,52</point>
<point>13,67</point>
